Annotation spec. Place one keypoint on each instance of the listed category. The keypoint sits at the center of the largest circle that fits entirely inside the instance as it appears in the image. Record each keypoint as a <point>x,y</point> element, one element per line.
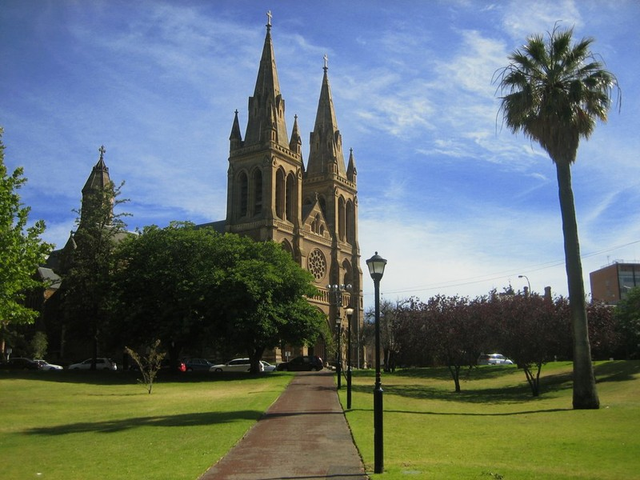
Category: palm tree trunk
<point>585,395</point>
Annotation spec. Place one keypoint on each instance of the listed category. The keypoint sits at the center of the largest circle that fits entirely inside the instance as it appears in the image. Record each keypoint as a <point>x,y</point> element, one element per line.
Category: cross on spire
<point>269,15</point>
<point>326,62</point>
<point>102,151</point>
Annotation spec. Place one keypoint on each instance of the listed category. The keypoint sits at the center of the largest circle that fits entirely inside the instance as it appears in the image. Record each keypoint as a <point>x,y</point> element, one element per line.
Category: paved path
<point>303,435</point>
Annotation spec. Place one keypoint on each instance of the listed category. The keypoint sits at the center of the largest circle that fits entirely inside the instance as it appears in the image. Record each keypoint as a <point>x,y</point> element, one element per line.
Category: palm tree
<point>554,93</point>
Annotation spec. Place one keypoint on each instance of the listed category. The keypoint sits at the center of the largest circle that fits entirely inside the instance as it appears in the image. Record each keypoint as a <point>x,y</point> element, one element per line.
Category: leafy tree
<point>88,266</point>
<point>149,363</point>
<point>627,313</point>
<point>532,330</point>
<point>39,345</point>
<point>555,92</point>
<point>21,250</point>
<point>190,286</point>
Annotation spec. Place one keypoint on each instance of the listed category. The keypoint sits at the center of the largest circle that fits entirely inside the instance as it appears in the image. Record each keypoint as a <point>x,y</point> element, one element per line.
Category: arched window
<point>280,193</point>
<point>257,192</point>
<point>291,198</point>
<point>243,184</point>
<point>351,222</point>
<point>341,218</point>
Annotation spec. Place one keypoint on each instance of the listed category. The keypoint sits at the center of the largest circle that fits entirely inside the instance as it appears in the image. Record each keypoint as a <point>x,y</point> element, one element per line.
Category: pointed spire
<point>236,137</point>
<point>266,107</point>
<point>99,177</point>
<point>295,145</point>
<point>352,171</point>
<point>325,149</point>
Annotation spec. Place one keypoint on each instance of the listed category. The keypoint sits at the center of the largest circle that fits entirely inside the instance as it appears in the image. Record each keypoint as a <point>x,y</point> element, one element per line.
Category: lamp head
<point>376,266</point>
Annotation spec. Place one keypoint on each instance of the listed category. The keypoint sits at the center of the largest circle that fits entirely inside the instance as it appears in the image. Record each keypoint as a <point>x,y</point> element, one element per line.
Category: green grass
<point>83,425</point>
<point>494,429</point>
<point>86,425</point>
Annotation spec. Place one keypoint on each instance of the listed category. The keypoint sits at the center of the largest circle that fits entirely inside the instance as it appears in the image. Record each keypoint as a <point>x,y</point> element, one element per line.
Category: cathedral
<point>311,211</point>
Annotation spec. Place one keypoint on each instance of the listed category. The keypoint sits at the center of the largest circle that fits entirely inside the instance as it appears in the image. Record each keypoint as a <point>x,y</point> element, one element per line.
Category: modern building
<point>611,283</point>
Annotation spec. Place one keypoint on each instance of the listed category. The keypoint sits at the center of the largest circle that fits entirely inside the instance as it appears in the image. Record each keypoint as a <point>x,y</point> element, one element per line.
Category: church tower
<point>311,212</point>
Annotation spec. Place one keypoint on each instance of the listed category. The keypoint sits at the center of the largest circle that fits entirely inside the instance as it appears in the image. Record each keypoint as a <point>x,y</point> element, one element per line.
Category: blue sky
<point>456,203</point>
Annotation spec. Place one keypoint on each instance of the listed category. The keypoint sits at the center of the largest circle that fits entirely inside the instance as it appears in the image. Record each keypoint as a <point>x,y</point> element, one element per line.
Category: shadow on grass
<point>617,371</point>
<point>183,420</point>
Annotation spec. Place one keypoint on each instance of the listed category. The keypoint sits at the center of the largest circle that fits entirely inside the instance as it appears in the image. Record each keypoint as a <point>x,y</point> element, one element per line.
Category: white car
<point>101,364</point>
<point>235,365</point>
<point>44,365</point>
<point>493,359</point>
<point>267,367</point>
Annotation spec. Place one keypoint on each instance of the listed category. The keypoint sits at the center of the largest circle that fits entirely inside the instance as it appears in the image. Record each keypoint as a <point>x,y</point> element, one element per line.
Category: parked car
<point>101,364</point>
<point>493,359</point>
<point>198,365</point>
<point>20,363</point>
<point>302,363</point>
<point>166,365</point>
<point>44,365</point>
<point>267,367</point>
<point>235,365</point>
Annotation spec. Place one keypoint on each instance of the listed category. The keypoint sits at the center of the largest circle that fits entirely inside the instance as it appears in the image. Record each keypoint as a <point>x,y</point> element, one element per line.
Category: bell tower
<point>265,168</point>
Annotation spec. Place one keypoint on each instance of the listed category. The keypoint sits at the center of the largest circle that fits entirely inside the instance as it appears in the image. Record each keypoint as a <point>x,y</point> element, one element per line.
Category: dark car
<point>19,363</point>
<point>303,363</point>
<point>198,365</point>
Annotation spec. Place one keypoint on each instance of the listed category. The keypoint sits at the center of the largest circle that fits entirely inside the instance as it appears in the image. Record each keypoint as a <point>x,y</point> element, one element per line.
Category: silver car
<point>235,365</point>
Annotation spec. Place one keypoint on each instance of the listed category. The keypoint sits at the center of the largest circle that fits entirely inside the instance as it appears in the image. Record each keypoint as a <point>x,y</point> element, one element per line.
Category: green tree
<point>194,287</point>
<point>88,267</point>
<point>627,313</point>
<point>21,250</point>
<point>555,92</point>
<point>149,364</point>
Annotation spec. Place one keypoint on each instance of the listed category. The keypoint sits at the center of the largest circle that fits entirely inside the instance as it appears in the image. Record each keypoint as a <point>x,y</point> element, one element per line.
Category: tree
<point>555,92</point>
<point>532,329</point>
<point>627,313</point>
<point>86,283</point>
<point>148,364</point>
<point>192,286</point>
<point>21,250</point>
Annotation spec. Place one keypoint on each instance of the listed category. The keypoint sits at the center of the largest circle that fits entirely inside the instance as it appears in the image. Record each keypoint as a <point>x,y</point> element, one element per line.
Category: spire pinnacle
<point>269,15</point>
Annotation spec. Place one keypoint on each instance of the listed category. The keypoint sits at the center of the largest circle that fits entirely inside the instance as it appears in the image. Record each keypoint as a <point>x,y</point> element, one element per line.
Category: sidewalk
<point>303,435</point>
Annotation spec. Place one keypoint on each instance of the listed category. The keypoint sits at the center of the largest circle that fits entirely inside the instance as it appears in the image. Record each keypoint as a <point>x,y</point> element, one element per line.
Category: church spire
<point>296,141</point>
<point>352,171</point>
<point>99,177</point>
<point>236,137</point>
<point>325,149</point>
<point>266,107</point>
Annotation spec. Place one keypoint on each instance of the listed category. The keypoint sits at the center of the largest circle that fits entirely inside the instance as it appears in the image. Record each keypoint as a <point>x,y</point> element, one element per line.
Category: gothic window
<point>243,182</point>
<point>257,192</point>
<point>317,264</point>
<point>351,222</point>
<point>280,193</point>
<point>291,198</point>
<point>341,218</point>
<point>347,272</point>
<point>323,206</point>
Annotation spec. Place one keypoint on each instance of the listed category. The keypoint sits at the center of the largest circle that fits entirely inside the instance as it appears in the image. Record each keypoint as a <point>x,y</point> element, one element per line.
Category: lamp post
<point>528,283</point>
<point>339,364</point>
<point>349,312</point>
<point>337,291</point>
<point>376,266</point>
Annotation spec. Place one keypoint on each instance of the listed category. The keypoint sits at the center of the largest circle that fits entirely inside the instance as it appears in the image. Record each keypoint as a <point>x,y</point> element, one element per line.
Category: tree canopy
<point>191,286</point>
<point>21,248</point>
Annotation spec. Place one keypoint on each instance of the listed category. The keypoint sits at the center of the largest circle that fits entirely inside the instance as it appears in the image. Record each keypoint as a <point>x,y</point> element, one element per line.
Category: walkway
<point>303,435</point>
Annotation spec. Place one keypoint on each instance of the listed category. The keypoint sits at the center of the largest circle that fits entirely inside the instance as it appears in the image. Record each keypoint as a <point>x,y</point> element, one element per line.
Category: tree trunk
<point>585,395</point>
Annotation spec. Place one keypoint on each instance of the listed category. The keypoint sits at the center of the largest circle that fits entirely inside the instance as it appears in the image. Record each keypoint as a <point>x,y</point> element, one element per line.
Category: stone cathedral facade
<point>311,210</point>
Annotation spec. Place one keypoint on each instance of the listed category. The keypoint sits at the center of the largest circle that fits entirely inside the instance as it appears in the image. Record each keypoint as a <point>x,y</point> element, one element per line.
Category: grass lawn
<point>494,429</point>
<point>103,425</point>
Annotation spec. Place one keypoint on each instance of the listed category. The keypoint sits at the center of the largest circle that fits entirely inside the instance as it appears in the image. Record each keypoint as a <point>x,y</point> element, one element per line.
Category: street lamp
<point>349,312</point>
<point>528,282</point>
<point>337,291</point>
<point>376,266</point>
